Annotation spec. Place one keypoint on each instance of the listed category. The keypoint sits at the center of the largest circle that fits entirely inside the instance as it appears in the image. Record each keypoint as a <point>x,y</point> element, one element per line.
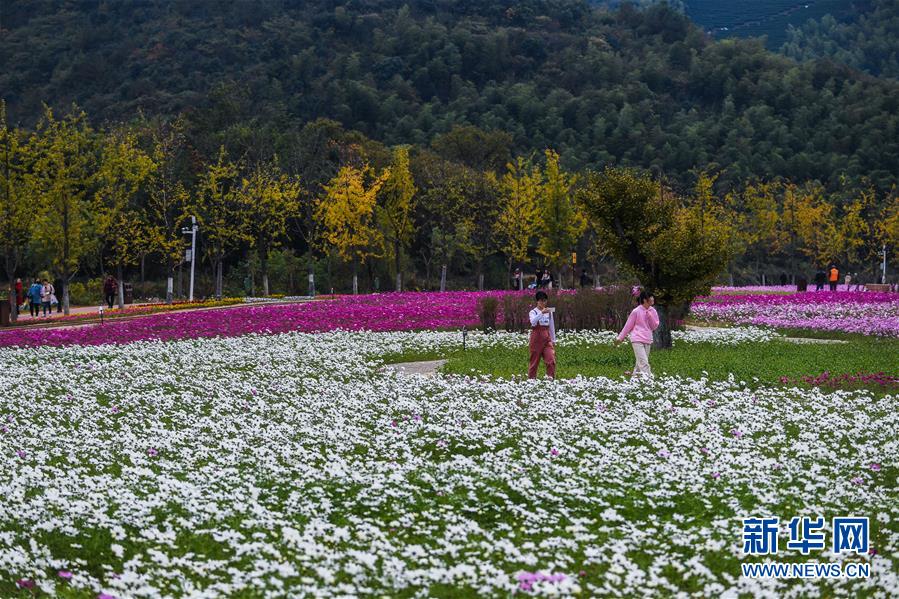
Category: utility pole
<point>192,231</point>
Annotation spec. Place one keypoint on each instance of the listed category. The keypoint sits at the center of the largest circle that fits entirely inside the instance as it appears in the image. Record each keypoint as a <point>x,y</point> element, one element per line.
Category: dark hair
<point>541,295</point>
<point>644,295</point>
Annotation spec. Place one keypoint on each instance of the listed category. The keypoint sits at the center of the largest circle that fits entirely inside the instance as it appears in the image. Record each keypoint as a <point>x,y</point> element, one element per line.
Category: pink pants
<point>541,346</point>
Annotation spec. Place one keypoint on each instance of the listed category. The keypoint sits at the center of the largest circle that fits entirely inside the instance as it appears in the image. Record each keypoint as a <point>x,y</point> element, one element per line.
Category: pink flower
<point>4,429</point>
<point>65,574</point>
<point>253,391</point>
<point>21,454</point>
<point>664,453</point>
<point>393,423</point>
<point>417,418</point>
<point>875,467</point>
<point>105,596</point>
<point>526,580</point>
<point>777,466</point>
<point>858,480</point>
<point>115,409</point>
<point>736,433</point>
<point>24,583</point>
<point>704,450</point>
<point>716,475</point>
<point>152,452</point>
<point>554,452</point>
<point>872,551</point>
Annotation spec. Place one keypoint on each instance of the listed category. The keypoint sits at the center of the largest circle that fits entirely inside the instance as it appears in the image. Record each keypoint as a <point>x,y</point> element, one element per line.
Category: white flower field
<point>295,465</point>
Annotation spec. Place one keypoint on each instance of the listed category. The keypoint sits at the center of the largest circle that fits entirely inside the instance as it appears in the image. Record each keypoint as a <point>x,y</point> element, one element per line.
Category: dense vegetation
<point>868,40</point>
<point>626,87</point>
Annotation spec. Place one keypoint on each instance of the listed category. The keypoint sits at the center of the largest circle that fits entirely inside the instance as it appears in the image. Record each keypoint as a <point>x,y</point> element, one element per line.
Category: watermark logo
<point>850,535</point>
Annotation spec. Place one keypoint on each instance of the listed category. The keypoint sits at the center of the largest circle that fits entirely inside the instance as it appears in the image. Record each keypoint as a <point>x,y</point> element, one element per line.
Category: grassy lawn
<point>767,362</point>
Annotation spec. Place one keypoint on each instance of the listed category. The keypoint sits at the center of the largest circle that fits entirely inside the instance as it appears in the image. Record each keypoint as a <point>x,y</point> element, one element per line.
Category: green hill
<point>629,87</point>
<point>868,39</point>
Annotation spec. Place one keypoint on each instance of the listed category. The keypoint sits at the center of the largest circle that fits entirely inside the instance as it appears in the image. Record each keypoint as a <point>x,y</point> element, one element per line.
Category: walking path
<point>26,317</point>
<point>58,323</point>
<point>426,368</point>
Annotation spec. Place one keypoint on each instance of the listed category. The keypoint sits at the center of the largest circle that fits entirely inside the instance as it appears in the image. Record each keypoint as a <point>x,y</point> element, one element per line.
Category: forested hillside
<point>600,86</point>
<point>868,39</point>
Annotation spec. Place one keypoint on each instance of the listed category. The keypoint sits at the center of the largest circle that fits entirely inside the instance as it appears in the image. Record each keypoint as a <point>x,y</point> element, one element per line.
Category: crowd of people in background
<point>40,297</point>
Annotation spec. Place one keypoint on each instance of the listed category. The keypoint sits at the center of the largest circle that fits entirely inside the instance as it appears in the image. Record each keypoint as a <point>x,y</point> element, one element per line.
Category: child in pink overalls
<point>543,338</point>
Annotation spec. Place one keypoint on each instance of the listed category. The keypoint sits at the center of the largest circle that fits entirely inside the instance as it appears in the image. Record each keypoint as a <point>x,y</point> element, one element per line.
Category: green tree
<point>119,219</point>
<point>395,211</point>
<point>674,246</point>
<point>168,201</point>
<point>63,175</point>
<point>15,217</point>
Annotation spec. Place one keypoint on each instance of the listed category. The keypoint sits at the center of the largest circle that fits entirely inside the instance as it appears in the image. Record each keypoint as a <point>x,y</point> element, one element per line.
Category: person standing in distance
<point>543,338</point>
<point>643,320</point>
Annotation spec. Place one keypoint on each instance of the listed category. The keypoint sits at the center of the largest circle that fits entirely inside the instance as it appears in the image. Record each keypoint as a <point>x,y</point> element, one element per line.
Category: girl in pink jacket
<point>642,321</point>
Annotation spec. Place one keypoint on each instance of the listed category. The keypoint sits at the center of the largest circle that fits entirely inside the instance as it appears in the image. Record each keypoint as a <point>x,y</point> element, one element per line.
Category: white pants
<point>641,352</point>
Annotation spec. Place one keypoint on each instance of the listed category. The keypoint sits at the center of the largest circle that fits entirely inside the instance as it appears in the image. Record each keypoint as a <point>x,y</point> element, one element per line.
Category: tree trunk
<point>143,270</point>
<point>121,287</point>
<point>218,279</point>
<point>13,301</point>
<point>263,265</point>
<point>311,289</point>
<point>396,257</point>
<point>481,281</point>
<point>168,289</point>
<point>355,277</point>
<point>443,278</point>
<point>661,337</point>
<point>65,291</point>
<point>180,282</point>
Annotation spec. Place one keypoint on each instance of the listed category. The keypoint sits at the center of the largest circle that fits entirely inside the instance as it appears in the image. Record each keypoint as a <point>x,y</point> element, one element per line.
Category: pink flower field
<point>864,312</point>
<point>385,312</point>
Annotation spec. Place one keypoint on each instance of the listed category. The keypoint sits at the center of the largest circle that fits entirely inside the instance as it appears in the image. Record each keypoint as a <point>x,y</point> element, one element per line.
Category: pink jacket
<point>640,324</point>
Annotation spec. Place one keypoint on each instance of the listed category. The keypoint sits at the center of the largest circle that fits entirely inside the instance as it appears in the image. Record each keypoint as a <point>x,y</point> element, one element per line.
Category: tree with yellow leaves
<point>119,220</point>
<point>395,211</point>
<point>62,177</point>
<point>560,222</point>
<point>854,235</point>
<point>346,212</point>
<point>815,225</point>
<point>271,199</point>
<point>516,224</point>
<point>220,210</point>
<point>887,230</point>
<point>753,215</point>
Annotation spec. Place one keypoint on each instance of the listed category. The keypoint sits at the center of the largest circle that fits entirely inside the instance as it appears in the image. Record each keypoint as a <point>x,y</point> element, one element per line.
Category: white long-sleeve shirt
<point>539,319</point>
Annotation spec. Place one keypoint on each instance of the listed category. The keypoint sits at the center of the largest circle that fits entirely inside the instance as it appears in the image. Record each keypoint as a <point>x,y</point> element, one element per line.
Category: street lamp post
<point>192,231</point>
